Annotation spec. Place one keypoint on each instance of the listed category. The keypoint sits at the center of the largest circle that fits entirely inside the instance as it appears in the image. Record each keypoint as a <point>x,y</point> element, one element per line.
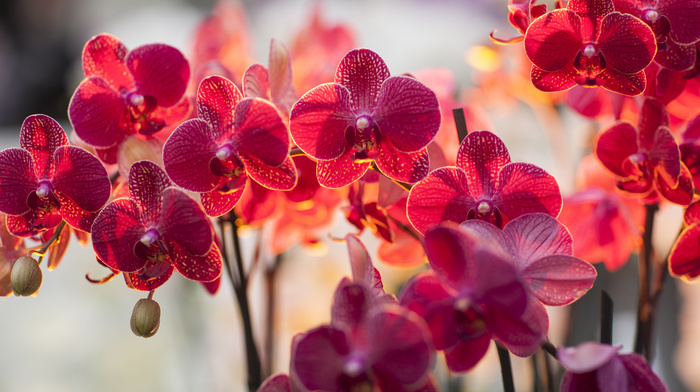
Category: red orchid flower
<point>159,227</point>
<point>684,259</point>
<point>589,44</point>
<point>650,165</point>
<point>366,116</point>
<point>690,149</point>
<point>471,295</point>
<point>273,83</point>
<point>484,185</point>
<point>676,25</point>
<point>127,92</point>
<point>47,180</point>
<point>520,14</point>
<point>596,367</point>
<point>233,139</point>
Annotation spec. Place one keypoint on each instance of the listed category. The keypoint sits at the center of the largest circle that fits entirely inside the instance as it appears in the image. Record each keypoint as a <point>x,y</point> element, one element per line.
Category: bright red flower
<point>651,163</point>
<point>366,116</point>
<point>471,295</point>
<point>690,149</point>
<point>485,185</point>
<point>232,139</point>
<point>159,227</point>
<point>596,367</point>
<point>127,92</point>
<point>47,180</point>
<point>589,44</point>
<point>684,260</point>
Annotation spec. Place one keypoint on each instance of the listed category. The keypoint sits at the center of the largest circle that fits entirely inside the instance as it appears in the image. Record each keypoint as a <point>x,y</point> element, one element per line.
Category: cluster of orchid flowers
<point>162,146</point>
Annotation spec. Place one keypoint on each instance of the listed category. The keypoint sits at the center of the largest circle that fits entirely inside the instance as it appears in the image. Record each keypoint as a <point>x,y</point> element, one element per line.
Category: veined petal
<point>683,16</point>
<point>639,370</point>
<point>281,178</point>
<point>280,75</point>
<point>558,280</point>
<point>407,167</point>
<point>319,119</point>
<point>259,132</point>
<point>666,155</point>
<point>204,268</point>
<point>442,196</point>
<point>134,281</point>
<point>408,113</point>
<point>340,172</point>
<point>451,254</point>
<point>187,154</point>
<point>553,39</point>
<point>614,145</point>
<point>74,215</point>
<point>147,181</point>
<point>525,188</point>
<point>491,236</point>
<point>467,353</point>
<point>104,56</point>
<point>255,82</point>
<point>362,72</point>
<point>115,231</point>
<point>652,116</point>
<point>684,260</point>
<point>17,180</point>
<point>81,177</point>
<point>630,85</point>
<point>521,334</point>
<point>183,221</point>
<point>161,71</point>
<point>537,235</point>
<point>318,358</point>
<point>560,80</point>
<point>592,13</point>
<point>482,154</point>
<point>258,204</point>
<point>216,203</point>
<point>692,214</point>
<point>676,57</point>
<point>626,42</point>
<point>97,113</point>
<point>217,98</point>
<point>41,135</point>
<point>32,223</point>
<point>682,192</point>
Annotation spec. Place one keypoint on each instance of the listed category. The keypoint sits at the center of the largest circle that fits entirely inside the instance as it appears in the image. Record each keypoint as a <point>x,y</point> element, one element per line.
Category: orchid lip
<point>363,122</point>
<point>589,51</point>
<point>462,304</point>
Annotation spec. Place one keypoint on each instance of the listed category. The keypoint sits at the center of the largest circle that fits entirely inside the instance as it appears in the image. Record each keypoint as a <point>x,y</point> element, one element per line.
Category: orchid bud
<point>25,276</point>
<point>145,319</point>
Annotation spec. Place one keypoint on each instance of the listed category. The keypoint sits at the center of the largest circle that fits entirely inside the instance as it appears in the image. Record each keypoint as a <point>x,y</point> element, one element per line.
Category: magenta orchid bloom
<point>127,92</point>
<point>646,160</point>
<point>371,343</point>
<point>485,185</point>
<point>471,295</point>
<point>47,180</point>
<point>233,139</point>
<point>157,228</point>
<point>366,116</point>
<point>596,367</point>
<point>676,25</point>
<point>589,44</point>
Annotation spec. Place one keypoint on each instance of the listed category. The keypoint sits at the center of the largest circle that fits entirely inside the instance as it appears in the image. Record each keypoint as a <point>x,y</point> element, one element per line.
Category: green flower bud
<point>25,276</point>
<point>145,319</point>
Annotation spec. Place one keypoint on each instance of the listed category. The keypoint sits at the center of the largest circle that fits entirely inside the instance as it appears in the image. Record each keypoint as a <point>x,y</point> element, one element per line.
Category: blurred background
<point>75,336</point>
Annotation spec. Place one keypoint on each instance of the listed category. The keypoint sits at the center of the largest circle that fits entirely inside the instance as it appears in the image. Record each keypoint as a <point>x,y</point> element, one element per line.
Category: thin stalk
<point>642,342</point>
<point>460,123</point>
<point>271,281</point>
<point>45,247</point>
<point>606,318</point>
<point>506,369</point>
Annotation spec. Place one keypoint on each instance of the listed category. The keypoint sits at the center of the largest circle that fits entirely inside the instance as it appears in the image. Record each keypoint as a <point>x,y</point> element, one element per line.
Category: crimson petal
<point>558,280</point>
<point>684,16</point>
<point>283,177</point>
<point>684,260</point>
<point>187,153</point>
<point>627,43</point>
<point>676,57</point>
<point>74,215</point>
<point>147,182</point>
<point>319,119</point>
<point>666,156</point>
<point>682,192</point>
<point>482,155</point>
<point>204,268</point>
<point>80,176</point>
<point>17,180</point>
<point>160,71</point>
<point>525,188</point>
<point>614,145</point>
<point>104,56</point>
<point>134,280</point>
<point>451,254</point>
<point>216,203</point>
<point>184,222</point>
<point>41,135</point>
<point>538,235</point>
<point>216,99</point>
<point>407,167</point>
<point>96,111</point>
<point>407,112</point>
<point>340,172</point>
<point>260,132</point>
<point>552,40</point>
<point>591,12</point>
<point>255,82</point>
<point>631,85</point>
<point>362,72</point>
<point>318,358</point>
<point>559,80</point>
<point>115,232</point>
<point>467,353</point>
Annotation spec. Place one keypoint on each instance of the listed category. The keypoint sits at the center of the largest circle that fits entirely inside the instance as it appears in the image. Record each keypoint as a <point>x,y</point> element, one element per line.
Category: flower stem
<point>642,342</point>
<point>460,123</point>
<point>606,318</point>
<point>45,247</point>
<point>506,370</point>
<point>271,282</point>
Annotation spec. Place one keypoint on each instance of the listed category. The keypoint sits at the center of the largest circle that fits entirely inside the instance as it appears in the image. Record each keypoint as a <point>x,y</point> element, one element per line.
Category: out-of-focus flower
<point>366,116</point>
<point>273,83</point>
<point>520,14</point>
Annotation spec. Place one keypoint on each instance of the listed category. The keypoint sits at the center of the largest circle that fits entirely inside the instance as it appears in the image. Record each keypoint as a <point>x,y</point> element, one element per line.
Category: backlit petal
<point>161,71</point>
<point>204,268</point>
<point>282,178</point>
<point>183,221</point>
<point>115,232</point>
<point>340,172</point>
<point>362,72</point>
<point>41,135</point>
<point>442,196</point>
<point>626,42</point>
<point>558,280</point>
<point>260,132</point>
<point>97,111</point>
<point>216,100</point>
<point>17,180</point>
<point>525,188</point>
<point>80,176</point>
<point>552,40</point>
<point>187,154</point>
<point>407,167</point>
<point>614,145</point>
<point>104,56</point>
<point>482,154</point>
<point>147,181</point>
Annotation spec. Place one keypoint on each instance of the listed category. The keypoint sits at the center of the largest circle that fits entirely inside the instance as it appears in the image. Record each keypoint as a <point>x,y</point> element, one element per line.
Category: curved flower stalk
<point>127,93</point>
<point>47,180</point>
<point>589,44</point>
<point>366,116</point>
<point>484,185</point>
<point>233,139</point>
<point>156,229</point>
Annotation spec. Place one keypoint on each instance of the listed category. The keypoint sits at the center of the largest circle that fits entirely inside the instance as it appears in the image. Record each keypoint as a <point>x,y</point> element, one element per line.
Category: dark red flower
<point>589,44</point>
<point>646,159</point>
<point>366,116</point>
<point>485,185</point>
<point>232,139</point>
<point>127,92</point>
<point>157,228</point>
<point>684,260</point>
<point>47,180</point>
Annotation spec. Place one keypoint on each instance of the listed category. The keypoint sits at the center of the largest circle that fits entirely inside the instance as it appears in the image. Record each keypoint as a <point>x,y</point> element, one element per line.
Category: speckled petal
<point>96,111</point>
<point>525,188</point>
<point>260,132</point>
<point>340,172</point>
<point>161,71</point>
<point>362,72</point>
<point>553,40</point>
<point>407,167</point>
<point>17,180</point>
<point>204,268</point>
<point>183,221</point>
<point>115,232</point>
<point>187,154</point>
<point>81,177</point>
<point>481,155</point>
<point>104,56</point>
<point>41,135</point>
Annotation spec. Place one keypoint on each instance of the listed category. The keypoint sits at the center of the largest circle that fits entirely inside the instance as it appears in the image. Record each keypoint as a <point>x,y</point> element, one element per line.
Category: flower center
<point>44,189</point>
<point>589,51</point>
<point>141,109</point>
<point>227,163</point>
<point>363,138</point>
<point>589,62</point>
<point>651,15</point>
<point>469,318</point>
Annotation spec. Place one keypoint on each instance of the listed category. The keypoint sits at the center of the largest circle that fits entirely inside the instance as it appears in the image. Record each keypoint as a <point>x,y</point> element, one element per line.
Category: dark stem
<point>238,281</point>
<point>460,123</point>
<point>271,281</point>
<point>295,152</point>
<point>407,229</point>
<point>642,342</point>
<point>42,251</point>
<point>506,370</point>
<point>548,373</point>
<point>606,318</point>
<point>549,349</point>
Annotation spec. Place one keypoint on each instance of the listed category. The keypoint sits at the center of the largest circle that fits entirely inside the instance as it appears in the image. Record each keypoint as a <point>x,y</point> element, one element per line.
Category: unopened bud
<point>25,276</point>
<point>145,319</point>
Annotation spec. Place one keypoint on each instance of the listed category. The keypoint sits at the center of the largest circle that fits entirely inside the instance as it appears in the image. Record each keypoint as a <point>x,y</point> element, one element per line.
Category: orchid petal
<point>680,193</point>
<point>80,176</point>
<point>282,178</point>
<point>133,279</point>
<point>683,16</point>
<point>74,215</point>
<point>442,196</point>
<point>525,188</point>
<point>340,172</point>
<point>558,280</point>
<point>451,254</point>
<point>482,154</point>
<point>104,56</point>
<point>552,40</point>
<point>614,145</point>
<point>96,111</point>
<point>184,222</point>
<point>318,358</point>
<point>187,154</point>
<point>467,353</point>
<point>652,116</point>
<point>255,82</point>
<point>626,42</point>
<point>216,203</point>
<point>147,181</point>
<point>362,72</point>
<point>115,232</point>
<point>537,235</point>
<point>592,13</point>
<point>407,167</point>
<point>204,268</point>
<point>631,85</point>
<point>260,132</point>
<point>684,259</point>
<point>41,135</point>
<point>160,71</point>
<point>17,180</point>
<point>216,99</point>
<point>560,80</point>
